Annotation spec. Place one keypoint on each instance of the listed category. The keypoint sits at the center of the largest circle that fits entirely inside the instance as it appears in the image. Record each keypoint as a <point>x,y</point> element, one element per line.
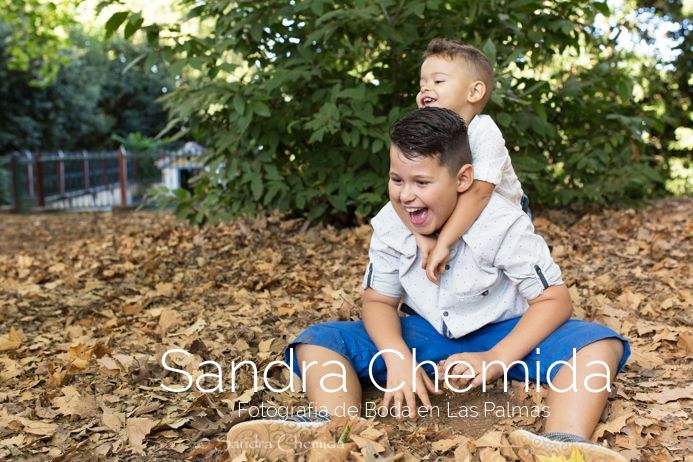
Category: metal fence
<point>91,180</point>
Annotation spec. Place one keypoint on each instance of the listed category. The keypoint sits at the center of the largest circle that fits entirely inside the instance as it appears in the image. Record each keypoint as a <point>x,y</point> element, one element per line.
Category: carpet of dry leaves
<point>89,302</point>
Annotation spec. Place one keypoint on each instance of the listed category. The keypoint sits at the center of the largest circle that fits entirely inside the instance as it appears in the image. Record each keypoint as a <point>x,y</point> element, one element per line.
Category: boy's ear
<point>477,90</point>
<point>465,178</point>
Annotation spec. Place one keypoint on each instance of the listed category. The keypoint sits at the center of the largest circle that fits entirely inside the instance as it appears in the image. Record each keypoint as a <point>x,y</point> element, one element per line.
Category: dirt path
<point>90,302</point>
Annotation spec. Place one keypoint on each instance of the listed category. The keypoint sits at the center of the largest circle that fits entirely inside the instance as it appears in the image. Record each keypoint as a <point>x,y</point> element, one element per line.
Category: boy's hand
<point>399,375</point>
<point>425,245</point>
<point>436,261</point>
<point>469,363</point>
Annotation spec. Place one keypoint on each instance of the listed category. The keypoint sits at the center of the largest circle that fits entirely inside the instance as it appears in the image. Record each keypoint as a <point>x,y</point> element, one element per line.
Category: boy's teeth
<point>410,210</point>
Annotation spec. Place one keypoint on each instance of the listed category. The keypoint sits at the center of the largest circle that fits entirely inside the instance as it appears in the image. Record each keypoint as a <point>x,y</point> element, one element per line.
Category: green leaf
<point>256,187</point>
<point>134,23</point>
<point>260,108</point>
<point>602,7</point>
<point>489,50</point>
<point>115,21</point>
<point>317,212</point>
<point>504,119</point>
<point>238,103</point>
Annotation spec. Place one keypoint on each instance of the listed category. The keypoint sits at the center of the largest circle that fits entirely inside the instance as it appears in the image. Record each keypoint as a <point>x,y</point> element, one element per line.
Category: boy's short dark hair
<point>433,132</point>
<point>477,61</point>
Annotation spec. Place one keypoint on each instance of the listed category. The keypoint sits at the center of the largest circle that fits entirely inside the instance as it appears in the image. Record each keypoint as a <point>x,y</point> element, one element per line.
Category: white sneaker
<point>553,444</point>
<point>274,439</point>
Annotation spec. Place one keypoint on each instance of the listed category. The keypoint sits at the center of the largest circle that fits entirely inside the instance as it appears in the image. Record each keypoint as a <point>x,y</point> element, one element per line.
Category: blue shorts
<point>350,339</point>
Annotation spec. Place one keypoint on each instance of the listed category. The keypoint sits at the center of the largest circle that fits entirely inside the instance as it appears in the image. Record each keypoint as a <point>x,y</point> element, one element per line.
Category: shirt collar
<point>389,228</point>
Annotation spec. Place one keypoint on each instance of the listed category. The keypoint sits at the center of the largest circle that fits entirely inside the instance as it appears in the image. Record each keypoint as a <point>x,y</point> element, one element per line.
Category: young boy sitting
<point>460,77</point>
<point>501,301</point>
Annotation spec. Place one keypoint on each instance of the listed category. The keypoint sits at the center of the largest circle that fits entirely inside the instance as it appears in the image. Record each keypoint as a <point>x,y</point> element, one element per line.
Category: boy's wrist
<point>395,354</point>
<point>445,240</point>
<point>504,355</point>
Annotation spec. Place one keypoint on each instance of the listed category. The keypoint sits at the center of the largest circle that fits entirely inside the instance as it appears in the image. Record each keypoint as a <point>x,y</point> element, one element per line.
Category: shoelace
<point>310,417</point>
<point>565,438</point>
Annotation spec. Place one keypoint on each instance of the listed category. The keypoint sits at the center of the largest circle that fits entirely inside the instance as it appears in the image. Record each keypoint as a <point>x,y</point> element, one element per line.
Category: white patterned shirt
<point>494,269</point>
<point>491,160</point>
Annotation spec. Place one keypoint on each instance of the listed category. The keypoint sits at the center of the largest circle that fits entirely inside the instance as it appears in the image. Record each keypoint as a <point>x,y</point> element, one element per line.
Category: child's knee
<point>609,351</point>
<point>307,353</point>
<point>611,347</point>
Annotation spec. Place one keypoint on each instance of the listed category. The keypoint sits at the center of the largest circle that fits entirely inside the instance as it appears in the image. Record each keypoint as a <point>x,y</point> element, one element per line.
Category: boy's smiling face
<point>446,83</point>
<point>424,190</point>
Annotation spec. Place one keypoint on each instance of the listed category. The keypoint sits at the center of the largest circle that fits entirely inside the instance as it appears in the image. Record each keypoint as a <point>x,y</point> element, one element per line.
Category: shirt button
<point>447,267</point>
<point>445,313</point>
<point>484,293</point>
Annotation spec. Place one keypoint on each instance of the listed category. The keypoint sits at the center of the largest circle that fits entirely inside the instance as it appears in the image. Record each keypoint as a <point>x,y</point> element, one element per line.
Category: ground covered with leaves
<point>90,302</point>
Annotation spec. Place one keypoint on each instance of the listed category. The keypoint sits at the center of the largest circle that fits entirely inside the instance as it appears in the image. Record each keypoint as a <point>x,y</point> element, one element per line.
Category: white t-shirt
<point>490,158</point>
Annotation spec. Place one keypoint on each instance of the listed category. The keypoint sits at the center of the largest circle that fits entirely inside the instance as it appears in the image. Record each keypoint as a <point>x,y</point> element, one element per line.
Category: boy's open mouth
<point>417,215</point>
<point>428,100</point>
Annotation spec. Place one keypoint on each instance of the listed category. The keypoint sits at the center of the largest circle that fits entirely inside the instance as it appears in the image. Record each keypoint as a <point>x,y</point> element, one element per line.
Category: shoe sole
<point>271,439</point>
<point>544,447</point>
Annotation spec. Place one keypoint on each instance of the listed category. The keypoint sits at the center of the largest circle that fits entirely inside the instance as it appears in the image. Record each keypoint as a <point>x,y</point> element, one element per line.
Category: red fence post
<point>85,170</point>
<point>61,174</point>
<point>39,180</point>
<point>122,176</point>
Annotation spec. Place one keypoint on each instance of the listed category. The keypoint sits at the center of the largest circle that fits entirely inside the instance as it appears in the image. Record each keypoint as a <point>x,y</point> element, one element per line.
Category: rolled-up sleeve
<point>382,273</point>
<point>525,258</point>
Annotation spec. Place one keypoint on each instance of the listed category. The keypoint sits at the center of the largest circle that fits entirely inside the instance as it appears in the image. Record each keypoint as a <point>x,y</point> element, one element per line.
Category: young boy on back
<point>460,78</point>
<point>501,305</point>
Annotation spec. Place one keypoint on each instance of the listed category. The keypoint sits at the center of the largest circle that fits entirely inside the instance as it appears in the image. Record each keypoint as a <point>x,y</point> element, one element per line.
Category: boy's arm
<point>545,314</point>
<point>524,258</point>
<point>382,323</point>
<point>381,320</point>
<point>469,206</point>
<point>489,159</point>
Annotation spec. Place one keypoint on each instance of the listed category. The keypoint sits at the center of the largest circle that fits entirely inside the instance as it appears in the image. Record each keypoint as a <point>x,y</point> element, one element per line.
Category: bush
<point>294,100</point>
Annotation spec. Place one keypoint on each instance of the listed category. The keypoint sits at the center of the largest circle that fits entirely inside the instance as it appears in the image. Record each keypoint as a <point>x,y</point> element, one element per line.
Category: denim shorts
<point>350,339</point>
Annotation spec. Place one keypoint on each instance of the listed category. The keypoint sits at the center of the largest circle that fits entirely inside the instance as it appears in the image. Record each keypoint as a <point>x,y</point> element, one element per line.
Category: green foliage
<point>38,36</point>
<point>146,150</point>
<point>90,99</point>
<point>294,100</point>
<point>669,86</point>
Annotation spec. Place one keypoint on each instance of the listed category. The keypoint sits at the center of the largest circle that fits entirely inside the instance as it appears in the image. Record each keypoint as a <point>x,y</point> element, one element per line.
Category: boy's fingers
<point>462,369</point>
<point>411,402</point>
<point>397,407</point>
<point>423,396</point>
<point>476,381</point>
<point>430,273</point>
<point>431,385</point>
<point>386,399</point>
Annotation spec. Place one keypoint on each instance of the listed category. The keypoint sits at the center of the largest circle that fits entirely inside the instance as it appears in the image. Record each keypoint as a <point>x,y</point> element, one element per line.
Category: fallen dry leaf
<point>667,395</point>
<point>138,429</point>
<point>95,306</point>
<point>11,341</point>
